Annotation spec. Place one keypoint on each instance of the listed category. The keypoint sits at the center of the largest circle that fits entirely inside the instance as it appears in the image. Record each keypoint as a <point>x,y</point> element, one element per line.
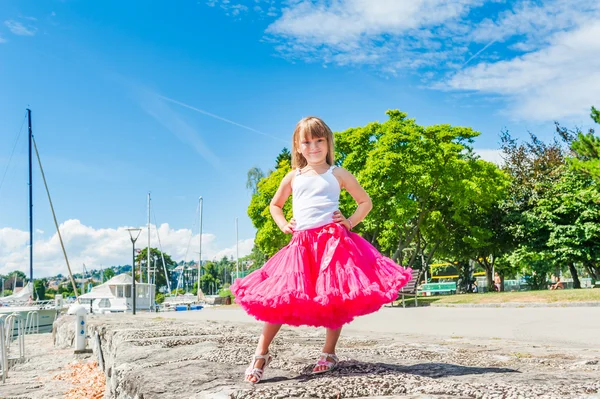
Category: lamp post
<point>133,240</point>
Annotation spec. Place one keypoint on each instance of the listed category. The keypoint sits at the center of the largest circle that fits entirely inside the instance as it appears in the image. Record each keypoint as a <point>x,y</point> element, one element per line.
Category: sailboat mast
<point>200,253</point>
<point>30,202</point>
<point>237,251</point>
<point>148,252</point>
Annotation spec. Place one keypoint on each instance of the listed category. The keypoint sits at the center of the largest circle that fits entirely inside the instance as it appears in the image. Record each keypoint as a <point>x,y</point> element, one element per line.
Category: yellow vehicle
<point>449,271</point>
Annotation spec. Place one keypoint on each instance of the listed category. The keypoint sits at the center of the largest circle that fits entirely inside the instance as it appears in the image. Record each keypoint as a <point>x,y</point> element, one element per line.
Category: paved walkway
<point>565,327</point>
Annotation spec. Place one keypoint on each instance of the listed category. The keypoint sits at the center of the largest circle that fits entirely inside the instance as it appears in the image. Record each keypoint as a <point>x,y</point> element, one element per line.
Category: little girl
<point>326,275</point>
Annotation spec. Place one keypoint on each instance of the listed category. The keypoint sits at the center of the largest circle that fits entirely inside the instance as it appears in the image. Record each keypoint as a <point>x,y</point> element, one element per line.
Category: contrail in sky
<point>221,118</point>
<point>477,53</point>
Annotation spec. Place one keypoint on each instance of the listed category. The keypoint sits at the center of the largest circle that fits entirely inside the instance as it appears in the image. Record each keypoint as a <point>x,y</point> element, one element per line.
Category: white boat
<point>115,296</point>
<point>21,304</point>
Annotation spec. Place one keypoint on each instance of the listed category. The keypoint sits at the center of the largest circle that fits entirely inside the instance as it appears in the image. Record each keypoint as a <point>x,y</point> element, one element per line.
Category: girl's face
<point>313,149</point>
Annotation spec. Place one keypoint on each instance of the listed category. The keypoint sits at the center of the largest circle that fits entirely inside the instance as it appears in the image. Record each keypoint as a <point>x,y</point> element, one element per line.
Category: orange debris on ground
<point>88,380</point>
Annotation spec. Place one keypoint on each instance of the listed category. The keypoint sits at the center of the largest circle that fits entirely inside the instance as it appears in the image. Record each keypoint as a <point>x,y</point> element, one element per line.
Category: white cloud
<point>234,9</point>
<point>392,34</point>
<point>18,28</point>
<point>558,81</point>
<point>231,9</point>
<point>490,155</point>
<point>535,22</point>
<point>102,247</point>
<point>3,40</point>
<point>245,247</point>
<point>540,57</point>
<point>345,23</point>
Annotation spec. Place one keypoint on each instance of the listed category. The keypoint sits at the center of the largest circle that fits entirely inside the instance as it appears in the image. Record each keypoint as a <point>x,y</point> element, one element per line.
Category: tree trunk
<point>489,277</point>
<point>593,270</point>
<point>573,270</point>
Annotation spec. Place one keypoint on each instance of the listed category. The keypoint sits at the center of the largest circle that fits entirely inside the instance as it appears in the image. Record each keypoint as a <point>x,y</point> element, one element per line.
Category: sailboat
<point>23,303</point>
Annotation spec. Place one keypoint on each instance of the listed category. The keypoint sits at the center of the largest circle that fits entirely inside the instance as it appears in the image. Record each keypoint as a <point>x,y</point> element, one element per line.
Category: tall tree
<point>284,155</point>
<point>420,180</point>
<point>586,150</point>
<point>571,214</point>
<point>255,175</point>
<point>269,238</point>
<point>39,287</point>
<point>156,260</point>
<point>210,277</point>
<point>108,274</point>
<point>535,168</point>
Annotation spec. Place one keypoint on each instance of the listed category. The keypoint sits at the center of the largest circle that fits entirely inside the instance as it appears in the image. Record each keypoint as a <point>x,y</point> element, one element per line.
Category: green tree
<point>17,275</point>
<point>420,179</point>
<point>108,274</point>
<point>535,168</point>
<point>210,276</point>
<point>269,238</point>
<point>284,155</point>
<point>255,175</point>
<point>571,214</point>
<point>156,258</point>
<point>254,260</point>
<point>39,286</point>
<point>223,269</point>
<point>586,149</point>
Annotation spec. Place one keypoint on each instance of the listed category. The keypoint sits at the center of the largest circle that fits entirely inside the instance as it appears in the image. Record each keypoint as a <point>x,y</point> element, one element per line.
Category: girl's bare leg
<point>269,332</point>
<point>331,339</point>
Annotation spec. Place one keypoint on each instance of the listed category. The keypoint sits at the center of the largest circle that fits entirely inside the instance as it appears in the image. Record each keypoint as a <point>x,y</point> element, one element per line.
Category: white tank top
<point>314,199</point>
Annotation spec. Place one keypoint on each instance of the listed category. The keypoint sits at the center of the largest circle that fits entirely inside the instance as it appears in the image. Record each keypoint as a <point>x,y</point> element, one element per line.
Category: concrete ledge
<point>166,357</point>
<point>517,305</point>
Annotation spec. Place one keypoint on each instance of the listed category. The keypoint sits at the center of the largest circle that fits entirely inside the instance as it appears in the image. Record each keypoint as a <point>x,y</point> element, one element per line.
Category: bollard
<point>58,302</point>
<point>80,328</point>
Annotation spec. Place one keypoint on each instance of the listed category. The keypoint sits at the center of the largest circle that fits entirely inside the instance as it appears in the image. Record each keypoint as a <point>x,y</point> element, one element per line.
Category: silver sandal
<point>256,372</point>
<point>324,362</point>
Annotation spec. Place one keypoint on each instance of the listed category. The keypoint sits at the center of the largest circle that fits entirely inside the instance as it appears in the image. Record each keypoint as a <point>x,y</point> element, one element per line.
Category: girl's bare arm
<point>350,184</point>
<point>276,207</point>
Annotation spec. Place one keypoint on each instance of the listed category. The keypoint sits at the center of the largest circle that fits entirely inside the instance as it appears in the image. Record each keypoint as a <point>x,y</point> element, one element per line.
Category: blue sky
<point>181,99</point>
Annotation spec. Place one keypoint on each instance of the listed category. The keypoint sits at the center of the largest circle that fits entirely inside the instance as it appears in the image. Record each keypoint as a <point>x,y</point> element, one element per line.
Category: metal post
<point>148,265</point>
<point>30,202</point>
<point>133,295</point>
<point>133,240</point>
<point>237,251</point>
<point>200,253</point>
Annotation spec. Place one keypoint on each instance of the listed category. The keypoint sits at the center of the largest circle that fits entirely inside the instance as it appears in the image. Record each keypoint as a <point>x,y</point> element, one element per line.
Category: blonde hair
<point>311,127</point>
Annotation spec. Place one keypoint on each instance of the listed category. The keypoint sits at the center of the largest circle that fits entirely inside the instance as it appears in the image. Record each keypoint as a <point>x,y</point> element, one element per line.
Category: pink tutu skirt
<point>324,278</point>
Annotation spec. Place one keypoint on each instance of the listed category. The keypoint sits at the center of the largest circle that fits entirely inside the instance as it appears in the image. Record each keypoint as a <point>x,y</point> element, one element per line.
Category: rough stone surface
<point>34,378</point>
<point>161,357</point>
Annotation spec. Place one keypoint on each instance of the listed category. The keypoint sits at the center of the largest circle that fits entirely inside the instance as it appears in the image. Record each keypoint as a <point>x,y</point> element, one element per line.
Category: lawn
<point>581,295</point>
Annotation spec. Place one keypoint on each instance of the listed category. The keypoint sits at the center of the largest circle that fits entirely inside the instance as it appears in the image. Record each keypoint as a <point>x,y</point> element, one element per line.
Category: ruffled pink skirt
<point>324,277</point>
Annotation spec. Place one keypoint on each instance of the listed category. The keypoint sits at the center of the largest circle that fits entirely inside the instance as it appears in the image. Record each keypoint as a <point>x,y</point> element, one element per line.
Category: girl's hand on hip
<point>341,219</point>
<point>289,227</point>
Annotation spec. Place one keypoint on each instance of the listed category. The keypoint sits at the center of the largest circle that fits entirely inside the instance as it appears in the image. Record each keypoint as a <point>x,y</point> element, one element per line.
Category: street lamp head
<point>133,232</point>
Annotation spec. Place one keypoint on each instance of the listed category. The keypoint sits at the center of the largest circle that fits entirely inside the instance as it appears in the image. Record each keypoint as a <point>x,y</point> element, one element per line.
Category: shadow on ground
<point>353,368</point>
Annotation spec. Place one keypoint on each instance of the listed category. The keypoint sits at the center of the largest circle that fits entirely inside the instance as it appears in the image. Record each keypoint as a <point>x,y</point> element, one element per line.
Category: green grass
<point>581,295</point>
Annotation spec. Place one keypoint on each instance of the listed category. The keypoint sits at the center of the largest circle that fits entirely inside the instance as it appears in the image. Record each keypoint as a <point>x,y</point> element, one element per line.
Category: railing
<point>32,323</point>
<point>37,304</point>
<point>10,336</point>
<point>3,354</point>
